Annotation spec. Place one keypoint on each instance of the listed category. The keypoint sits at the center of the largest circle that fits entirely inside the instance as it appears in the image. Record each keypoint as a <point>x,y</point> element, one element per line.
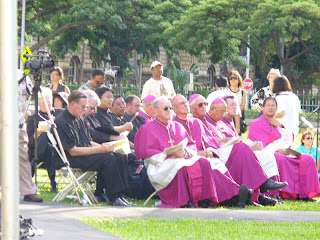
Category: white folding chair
<point>85,178</point>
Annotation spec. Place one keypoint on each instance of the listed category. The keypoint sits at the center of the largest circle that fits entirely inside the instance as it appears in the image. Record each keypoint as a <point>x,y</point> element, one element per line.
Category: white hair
<point>46,92</point>
<point>91,95</point>
<point>157,100</point>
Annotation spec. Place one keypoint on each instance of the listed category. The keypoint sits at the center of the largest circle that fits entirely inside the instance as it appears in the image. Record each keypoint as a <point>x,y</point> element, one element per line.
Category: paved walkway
<point>58,220</point>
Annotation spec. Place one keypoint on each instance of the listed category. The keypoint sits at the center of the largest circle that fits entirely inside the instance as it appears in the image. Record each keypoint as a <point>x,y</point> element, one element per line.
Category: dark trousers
<point>48,155</point>
<point>112,170</point>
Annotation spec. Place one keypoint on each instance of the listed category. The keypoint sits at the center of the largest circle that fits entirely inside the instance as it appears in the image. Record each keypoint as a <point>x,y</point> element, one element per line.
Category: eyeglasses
<point>84,106</point>
<point>203,103</point>
<point>167,108</point>
<point>183,103</point>
<point>92,107</point>
<point>233,78</point>
<point>308,138</point>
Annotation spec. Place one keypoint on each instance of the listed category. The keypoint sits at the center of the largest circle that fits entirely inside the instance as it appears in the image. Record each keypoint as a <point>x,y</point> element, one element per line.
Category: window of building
<point>72,72</point>
<point>211,76</point>
<point>47,74</point>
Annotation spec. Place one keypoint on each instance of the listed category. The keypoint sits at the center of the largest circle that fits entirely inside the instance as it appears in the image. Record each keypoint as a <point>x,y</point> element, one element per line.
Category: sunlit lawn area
<point>142,228</point>
<point>44,192</point>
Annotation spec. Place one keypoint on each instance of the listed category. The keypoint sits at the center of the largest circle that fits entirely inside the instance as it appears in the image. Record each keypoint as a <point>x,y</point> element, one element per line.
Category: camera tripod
<point>37,90</point>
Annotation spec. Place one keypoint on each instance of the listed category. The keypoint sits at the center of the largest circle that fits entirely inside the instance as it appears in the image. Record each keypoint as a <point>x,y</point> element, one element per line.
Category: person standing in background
<point>27,188</point>
<point>57,77</point>
<point>158,85</point>
<point>288,104</point>
<point>236,87</point>
<point>258,98</point>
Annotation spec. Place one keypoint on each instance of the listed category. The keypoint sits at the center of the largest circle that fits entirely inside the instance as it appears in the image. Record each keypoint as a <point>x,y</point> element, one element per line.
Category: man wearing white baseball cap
<point>158,85</point>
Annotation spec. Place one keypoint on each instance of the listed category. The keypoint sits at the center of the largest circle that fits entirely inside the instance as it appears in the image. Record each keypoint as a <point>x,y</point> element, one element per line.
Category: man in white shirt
<point>158,85</point>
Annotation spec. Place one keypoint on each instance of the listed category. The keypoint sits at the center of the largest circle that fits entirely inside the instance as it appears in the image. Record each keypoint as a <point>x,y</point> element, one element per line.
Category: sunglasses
<point>308,138</point>
<point>92,107</point>
<point>233,78</point>
<point>167,108</point>
<point>203,103</point>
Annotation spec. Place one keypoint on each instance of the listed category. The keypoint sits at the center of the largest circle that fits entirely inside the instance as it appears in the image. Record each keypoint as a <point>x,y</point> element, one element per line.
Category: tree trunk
<point>80,79</point>
<point>138,72</point>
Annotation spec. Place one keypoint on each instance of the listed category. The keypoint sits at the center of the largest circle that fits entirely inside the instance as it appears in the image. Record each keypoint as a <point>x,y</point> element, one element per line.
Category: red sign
<point>247,84</point>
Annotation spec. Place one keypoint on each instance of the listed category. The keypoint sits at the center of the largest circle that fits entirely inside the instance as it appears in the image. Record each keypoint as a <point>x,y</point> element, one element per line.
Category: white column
<point>22,31</point>
<point>9,168</point>
<point>248,69</point>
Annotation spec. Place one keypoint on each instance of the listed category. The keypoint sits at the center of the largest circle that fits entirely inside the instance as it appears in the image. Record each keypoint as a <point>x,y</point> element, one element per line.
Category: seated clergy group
<point>269,170</point>
<point>190,148</point>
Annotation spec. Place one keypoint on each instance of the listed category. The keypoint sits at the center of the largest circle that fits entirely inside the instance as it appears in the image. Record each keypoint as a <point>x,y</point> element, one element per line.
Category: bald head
<point>180,106</point>
<point>198,106</point>
<point>218,111</point>
<point>162,106</point>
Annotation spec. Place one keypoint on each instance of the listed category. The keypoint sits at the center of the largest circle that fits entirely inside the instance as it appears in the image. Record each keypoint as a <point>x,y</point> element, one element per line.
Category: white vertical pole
<point>248,68</point>
<point>22,31</point>
<point>248,58</point>
<point>9,168</point>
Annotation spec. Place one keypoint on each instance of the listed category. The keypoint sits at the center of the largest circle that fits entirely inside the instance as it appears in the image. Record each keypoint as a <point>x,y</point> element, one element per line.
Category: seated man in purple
<point>226,187</point>
<point>147,112</point>
<point>235,155</point>
<point>266,158</point>
<point>298,170</point>
<point>181,178</point>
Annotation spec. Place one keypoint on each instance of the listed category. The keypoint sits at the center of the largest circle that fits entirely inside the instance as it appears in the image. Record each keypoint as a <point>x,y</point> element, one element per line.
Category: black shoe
<point>307,199</point>
<point>119,202</point>
<point>252,203</point>
<point>266,201</point>
<point>32,198</point>
<point>243,196</point>
<point>272,185</point>
<point>278,199</point>
<point>127,202</point>
<point>102,198</point>
<point>250,193</point>
<point>189,205</point>
<point>54,190</point>
<point>203,204</point>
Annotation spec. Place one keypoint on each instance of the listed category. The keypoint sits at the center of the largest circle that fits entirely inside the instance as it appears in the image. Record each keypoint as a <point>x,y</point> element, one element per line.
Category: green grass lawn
<point>290,205</point>
<point>143,228</point>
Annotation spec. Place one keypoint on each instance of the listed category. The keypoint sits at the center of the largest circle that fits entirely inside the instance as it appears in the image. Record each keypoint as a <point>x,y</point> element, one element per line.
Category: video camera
<point>112,71</point>
<point>42,62</point>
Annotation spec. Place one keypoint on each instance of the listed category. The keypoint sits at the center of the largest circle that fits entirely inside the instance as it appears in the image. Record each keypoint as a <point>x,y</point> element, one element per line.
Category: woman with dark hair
<point>235,85</point>
<point>57,77</point>
<point>60,99</point>
<point>307,148</point>
<point>104,114</point>
<point>288,104</point>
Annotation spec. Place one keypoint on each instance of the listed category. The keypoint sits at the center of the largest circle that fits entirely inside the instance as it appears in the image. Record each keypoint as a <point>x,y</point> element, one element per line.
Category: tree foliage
<point>220,27</point>
<point>112,29</point>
